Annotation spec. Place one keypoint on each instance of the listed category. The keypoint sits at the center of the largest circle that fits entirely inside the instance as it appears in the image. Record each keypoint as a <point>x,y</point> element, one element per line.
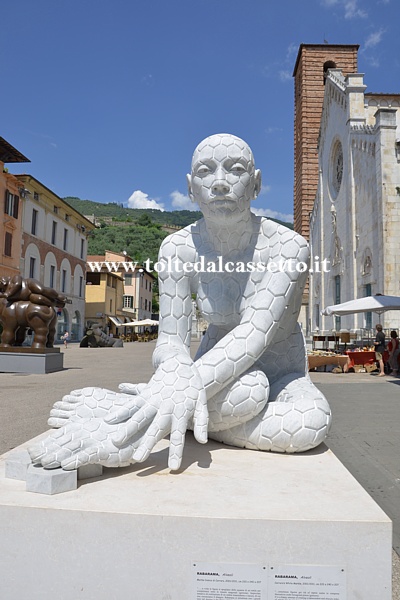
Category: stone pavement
<point>366,410</point>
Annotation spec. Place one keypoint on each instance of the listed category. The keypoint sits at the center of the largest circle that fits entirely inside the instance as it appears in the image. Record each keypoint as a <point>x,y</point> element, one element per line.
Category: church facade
<point>355,219</point>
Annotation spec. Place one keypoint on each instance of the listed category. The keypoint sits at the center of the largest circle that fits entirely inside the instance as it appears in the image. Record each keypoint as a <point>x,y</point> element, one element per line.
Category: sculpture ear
<point>189,184</point>
<point>257,183</point>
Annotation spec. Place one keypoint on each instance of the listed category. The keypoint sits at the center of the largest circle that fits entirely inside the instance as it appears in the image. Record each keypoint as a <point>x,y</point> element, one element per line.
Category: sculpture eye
<point>238,168</point>
<point>203,170</point>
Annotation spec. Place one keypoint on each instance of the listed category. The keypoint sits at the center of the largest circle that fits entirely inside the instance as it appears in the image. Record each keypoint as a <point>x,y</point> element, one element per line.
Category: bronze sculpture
<point>27,304</point>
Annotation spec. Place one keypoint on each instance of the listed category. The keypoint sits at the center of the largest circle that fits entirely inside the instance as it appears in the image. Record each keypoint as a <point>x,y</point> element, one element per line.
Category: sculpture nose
<point>220,187</point>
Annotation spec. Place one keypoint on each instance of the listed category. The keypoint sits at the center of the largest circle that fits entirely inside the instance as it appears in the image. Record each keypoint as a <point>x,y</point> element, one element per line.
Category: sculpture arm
<point>269,306</point>
<point>175,325</point>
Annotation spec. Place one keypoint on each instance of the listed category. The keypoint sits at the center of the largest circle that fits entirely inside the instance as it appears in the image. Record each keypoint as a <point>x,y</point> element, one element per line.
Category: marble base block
<point>50,481</point>
<point>136,532</point>
<point>25,362</point>
<point>17,464</point>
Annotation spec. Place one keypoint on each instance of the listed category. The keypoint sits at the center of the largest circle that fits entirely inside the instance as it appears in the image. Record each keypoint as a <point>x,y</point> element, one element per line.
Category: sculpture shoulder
<point>180,244</point>
<point>280,236</point>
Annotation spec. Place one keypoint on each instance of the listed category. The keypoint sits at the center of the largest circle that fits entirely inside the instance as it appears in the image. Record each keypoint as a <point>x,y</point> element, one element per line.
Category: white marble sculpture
<point>248,385</point>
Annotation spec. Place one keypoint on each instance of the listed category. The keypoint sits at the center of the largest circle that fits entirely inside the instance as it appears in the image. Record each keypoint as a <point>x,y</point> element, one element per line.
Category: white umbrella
<point>378,304</point>
<point>143,323</point>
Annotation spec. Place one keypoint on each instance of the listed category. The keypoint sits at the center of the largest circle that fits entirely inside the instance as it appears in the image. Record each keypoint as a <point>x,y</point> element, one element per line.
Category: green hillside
<point>141,239</point>
<point>178,218</point>
<point>118,212</point>
<point>140,242</point>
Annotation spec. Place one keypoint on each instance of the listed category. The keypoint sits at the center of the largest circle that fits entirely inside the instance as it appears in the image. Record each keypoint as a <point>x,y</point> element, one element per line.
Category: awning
<point>117,322</point>
<point>143,323</point>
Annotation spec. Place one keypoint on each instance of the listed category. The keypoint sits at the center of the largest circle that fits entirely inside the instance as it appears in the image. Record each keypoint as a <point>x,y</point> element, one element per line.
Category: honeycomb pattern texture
<point>248,385</point>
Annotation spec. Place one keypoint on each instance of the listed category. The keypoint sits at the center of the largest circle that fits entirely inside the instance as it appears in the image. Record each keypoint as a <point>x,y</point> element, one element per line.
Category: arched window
<point>329,64</point>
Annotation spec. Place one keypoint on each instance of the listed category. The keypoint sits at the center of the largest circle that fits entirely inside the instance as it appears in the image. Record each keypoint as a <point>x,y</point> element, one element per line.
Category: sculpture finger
<point>61,413</point>
<point>200,420</point>
<point>99,455</point>
<point>128,430</point>
<point>132,388</point>
<point>54,459</point>
<point>56,422</point>
<point>88,456</point>
<point>119,415</point>
<point>64,405</point>
<point>74,397</point>
<point>160,427</point>
<point>37,452</point>
<point>176,443</point>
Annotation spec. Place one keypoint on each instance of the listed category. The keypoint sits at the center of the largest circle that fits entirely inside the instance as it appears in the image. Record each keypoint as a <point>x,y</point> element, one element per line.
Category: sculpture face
<point>4,282</point>
<point>223,180</point>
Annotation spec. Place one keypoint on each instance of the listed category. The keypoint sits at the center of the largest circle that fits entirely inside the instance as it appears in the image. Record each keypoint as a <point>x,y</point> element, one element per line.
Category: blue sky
<point>108,98</point>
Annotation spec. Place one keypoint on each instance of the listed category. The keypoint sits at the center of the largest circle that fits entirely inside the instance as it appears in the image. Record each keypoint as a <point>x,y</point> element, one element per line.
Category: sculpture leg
<point>38,318</point>
<point>238,402</point>
<point>20,335</point>
<point>8,334</point>
<point>297,418</point>
<point>52,331</point>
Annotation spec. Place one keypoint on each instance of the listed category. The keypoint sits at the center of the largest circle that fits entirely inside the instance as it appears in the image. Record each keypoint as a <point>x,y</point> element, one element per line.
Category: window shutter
<point>8,244</point>
<point>16,206</point>
<point>6,201</point>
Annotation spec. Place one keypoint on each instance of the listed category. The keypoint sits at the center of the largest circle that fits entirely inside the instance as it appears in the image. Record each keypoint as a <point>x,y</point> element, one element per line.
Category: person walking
<point>393,347</point>
<point>380,349</point>
<point>65,338</point>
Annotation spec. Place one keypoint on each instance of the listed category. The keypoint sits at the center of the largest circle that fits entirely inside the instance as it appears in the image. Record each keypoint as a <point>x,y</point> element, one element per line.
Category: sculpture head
<point>4,282</point>
<point>223,180</point>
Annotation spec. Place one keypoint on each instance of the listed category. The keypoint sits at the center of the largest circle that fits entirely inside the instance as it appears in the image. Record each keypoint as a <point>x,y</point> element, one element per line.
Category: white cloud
<point>148,80</point>
<point>374,39</point>
<point>351,9</point>
<point>264,190</point>
<point>273,214</point>
<point>291,51</point>
<point>141,200</point>
<point>285,75</point>
<point>270,130</point>
<point>373,61</point>
<point>182,202</point>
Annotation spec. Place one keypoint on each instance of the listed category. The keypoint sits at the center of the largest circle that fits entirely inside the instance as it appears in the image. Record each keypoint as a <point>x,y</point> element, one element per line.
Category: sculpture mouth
<point>223,203</point>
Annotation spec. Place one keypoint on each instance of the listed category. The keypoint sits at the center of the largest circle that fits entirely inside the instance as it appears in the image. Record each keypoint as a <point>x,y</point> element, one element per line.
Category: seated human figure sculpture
<point>248,386</point>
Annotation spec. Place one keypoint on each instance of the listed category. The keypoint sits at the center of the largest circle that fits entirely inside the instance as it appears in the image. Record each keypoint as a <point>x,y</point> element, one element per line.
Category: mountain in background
<point>119,212</point>
<point>138,232</point>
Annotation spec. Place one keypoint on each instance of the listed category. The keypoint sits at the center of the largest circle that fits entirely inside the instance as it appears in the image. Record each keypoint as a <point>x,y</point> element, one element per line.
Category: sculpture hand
<point>86,403</point>
<point>174,397</point>
<point>82,442</point>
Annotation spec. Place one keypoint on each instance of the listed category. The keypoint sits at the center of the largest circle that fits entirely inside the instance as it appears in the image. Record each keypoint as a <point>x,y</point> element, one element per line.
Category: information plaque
<point>306,582</point>
<point>234,581</point>
<point>213,581</point>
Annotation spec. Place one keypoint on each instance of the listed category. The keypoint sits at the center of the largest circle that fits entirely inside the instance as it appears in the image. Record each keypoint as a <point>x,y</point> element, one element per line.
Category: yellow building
<point>104,299</point>
<point>117,291</point>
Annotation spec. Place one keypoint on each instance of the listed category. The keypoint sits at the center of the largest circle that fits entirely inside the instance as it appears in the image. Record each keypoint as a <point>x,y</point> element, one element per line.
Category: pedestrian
<point>380,349</point>
<point>65,338</point>
<point>393,347</point>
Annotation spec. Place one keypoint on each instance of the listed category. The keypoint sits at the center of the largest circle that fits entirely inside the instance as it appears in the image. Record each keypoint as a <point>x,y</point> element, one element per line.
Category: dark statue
<point>27,304</point>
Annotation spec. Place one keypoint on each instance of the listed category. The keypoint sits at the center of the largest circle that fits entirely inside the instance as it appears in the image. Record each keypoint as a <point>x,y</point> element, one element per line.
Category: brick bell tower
<point>312,63</point>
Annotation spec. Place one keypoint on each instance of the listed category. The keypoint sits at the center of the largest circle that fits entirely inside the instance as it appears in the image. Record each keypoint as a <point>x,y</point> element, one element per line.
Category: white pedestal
<point>136,532</point>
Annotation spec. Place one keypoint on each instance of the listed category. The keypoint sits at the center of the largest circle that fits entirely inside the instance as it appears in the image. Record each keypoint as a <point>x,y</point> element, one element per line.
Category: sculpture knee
<point>239,402</point>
